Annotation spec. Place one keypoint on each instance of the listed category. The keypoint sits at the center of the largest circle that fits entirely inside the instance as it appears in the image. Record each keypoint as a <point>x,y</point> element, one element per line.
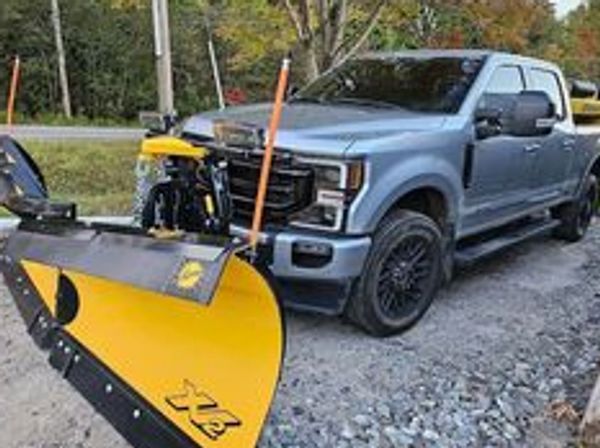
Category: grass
<point>98,176</point>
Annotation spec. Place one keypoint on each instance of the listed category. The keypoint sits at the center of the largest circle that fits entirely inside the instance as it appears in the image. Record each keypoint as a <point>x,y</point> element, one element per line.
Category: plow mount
<point>177,341</point>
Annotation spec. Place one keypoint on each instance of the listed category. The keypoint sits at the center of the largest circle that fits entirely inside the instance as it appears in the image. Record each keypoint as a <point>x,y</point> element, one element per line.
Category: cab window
<point>548,82</point>
<point>506,82</point>
<point>506,79</point>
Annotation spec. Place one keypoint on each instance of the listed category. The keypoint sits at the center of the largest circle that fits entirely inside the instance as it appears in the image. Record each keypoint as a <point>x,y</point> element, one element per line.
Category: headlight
<point>335,186</point>
<point>328,176</point>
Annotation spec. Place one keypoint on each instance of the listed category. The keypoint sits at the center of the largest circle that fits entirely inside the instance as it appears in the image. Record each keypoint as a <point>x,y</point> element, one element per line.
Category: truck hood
<point>321,129</point>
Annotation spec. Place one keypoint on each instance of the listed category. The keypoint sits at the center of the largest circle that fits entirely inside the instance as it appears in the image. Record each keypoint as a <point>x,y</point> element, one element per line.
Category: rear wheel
<point>401,276</point>
<point>576,216</point>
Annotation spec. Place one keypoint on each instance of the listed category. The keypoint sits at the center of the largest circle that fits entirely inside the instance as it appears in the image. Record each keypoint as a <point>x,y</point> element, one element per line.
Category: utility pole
<point>62,65</point>
<point>162,51</point>
<point>214,63</point>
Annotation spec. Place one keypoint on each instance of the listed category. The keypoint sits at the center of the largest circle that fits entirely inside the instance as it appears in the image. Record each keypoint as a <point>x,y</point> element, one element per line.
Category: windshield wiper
<point>306,99</point>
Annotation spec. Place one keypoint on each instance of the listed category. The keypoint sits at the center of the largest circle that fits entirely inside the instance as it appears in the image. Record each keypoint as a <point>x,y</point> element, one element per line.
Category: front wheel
<point>401,276</point>
<point>576,216</point>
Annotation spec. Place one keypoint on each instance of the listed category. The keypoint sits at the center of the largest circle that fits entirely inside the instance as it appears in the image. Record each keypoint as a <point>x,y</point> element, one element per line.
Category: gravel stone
<point>347,431</point>
<point>506,339</point>
<point>363,421</point>
<point>397,437</point>
<point>431,435</point>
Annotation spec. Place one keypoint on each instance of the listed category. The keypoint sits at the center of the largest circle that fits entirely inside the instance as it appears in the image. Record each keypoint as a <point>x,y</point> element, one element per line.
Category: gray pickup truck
<point>395,167</point>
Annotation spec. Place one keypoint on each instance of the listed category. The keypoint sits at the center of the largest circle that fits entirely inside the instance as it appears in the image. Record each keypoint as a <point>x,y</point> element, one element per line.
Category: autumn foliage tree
<point>329,31</point>
<point>319,33</point>
<point>581,42</point>
<point>108,44</point>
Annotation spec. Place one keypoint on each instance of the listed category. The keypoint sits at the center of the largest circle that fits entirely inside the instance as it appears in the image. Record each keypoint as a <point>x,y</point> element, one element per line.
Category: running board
<point>474,252</point>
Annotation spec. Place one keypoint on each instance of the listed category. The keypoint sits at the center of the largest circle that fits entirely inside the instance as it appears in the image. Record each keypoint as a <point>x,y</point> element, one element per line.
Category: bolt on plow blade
<point>176,343</point>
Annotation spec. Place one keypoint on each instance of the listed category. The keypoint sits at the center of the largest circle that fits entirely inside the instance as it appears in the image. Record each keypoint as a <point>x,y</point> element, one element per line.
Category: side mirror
<point>488,114</point>
<point>526,114</point>
<point>533,114</point>
<point>157,123</point>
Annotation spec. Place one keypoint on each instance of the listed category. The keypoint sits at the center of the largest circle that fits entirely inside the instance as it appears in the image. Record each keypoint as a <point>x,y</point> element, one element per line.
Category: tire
<point>401,277</point>
<point>576,216</point>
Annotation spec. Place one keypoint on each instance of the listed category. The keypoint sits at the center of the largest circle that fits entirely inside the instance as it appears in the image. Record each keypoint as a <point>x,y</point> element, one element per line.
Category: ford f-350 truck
<point>393,168</point>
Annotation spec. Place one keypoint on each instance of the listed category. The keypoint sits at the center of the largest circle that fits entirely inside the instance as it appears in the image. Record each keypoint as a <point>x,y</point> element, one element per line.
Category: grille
<point>290,188</point>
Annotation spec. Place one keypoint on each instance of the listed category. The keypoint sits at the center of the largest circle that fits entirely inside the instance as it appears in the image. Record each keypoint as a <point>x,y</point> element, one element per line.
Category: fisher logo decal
<point>203,411</point>
<point>190,275</point>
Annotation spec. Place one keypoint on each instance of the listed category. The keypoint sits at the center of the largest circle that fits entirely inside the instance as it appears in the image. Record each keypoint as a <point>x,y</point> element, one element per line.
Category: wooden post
<point>12,95</point>
<point>590,425</point>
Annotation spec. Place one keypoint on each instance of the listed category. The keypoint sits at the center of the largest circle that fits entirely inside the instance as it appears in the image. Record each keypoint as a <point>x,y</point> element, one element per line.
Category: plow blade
<point>177,343</point>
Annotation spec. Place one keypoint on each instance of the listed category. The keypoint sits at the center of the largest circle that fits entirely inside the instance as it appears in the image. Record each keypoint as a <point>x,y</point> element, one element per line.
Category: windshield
<point>431,85</point>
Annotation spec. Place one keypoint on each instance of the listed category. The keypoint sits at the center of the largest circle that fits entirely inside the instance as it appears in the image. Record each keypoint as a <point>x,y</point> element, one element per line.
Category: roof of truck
<point>456,53</point>
<point>429,53</point>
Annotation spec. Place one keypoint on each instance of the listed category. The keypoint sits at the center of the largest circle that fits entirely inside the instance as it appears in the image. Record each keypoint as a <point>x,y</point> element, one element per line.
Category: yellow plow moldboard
<point>177,344</point>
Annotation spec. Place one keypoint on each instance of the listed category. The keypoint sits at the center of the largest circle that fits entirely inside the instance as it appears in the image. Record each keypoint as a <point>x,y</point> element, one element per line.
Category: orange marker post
<point>268,156</point>
<point>13,91</point>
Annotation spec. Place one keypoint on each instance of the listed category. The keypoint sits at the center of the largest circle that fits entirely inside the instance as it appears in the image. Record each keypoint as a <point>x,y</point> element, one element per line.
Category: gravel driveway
<point>507,356</point>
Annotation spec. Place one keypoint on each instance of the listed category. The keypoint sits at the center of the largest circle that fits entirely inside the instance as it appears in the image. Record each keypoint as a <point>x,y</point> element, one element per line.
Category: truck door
<point>500,164</point>
<point>554,153</point>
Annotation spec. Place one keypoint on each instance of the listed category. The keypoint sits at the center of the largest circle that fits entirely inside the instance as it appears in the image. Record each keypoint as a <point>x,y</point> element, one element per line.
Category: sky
<point>564,6</point>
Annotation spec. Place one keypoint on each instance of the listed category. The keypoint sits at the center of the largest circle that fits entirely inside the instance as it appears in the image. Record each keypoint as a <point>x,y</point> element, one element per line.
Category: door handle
<point>534,147</point>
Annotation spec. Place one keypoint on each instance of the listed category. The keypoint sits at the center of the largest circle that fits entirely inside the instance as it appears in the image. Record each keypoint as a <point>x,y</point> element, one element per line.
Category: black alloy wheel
<point>401,276</point>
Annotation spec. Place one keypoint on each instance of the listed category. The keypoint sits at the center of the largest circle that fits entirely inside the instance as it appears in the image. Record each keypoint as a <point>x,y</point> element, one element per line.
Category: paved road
<point>71,133</point>
<point>505,343</point>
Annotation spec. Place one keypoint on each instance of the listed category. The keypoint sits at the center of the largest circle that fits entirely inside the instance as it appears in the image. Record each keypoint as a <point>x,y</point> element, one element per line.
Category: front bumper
<point>314,271</point>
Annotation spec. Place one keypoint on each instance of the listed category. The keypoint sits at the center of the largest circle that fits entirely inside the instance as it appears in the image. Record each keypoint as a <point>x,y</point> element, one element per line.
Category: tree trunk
<point>324,46</point>
<point>311,62</point>
<point>62,66</point>
<point>336,26</point>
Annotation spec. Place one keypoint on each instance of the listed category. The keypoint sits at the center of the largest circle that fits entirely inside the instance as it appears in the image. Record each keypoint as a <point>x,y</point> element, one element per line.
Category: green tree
<point>580,50</point>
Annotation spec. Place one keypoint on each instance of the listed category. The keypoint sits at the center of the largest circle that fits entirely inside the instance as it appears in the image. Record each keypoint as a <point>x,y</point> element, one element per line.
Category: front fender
<point>385,187</point>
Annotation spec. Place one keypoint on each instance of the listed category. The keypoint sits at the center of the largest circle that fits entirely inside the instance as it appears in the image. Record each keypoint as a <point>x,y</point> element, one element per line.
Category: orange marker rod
<point>268,155</point>
<point>13,91</point>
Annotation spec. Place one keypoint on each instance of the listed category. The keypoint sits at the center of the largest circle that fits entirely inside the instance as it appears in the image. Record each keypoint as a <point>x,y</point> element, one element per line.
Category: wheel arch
<point>595,167</point>
<point>431,195</point>
<point>428,200</point>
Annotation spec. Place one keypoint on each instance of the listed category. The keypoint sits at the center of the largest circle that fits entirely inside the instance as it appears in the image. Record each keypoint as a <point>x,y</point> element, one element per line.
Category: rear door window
<point>506,82</point>
<point>548,82</point>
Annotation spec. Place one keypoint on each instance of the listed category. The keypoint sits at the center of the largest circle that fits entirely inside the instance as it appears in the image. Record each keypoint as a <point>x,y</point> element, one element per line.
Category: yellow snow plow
<point>586,109</point>
<point>171,331</point>
<point>176,340</point>
<point>585,101</point>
